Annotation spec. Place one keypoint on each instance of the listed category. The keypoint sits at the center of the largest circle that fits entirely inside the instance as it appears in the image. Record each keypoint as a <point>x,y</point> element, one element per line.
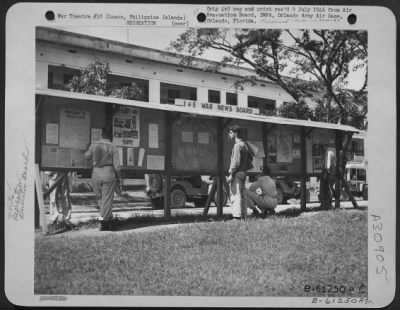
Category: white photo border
<point>21,22</point>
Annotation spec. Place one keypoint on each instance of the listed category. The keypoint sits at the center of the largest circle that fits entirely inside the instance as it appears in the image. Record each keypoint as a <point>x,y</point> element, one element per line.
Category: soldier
<point>106,167</point>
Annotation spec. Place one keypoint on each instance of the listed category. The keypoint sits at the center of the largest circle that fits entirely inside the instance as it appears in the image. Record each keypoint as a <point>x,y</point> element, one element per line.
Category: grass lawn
<point>277,256</point>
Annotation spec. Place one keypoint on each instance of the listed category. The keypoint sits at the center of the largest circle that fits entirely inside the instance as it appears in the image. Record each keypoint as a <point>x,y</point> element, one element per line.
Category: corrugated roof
<point>182,109</point>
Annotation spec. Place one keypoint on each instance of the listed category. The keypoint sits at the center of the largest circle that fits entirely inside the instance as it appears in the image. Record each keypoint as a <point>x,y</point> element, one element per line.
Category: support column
<point>242,100</point>
<point>154,91</point>
<point>265,143</point>
<point>167,164</point>
<point>303,153</point>
<point>220,158</point>
<point>202,94</point>
<point>223,97</point>
<point>42,75</point>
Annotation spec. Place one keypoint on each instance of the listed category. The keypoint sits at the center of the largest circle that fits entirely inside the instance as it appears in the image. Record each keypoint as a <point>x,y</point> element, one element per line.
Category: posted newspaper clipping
<point>343,256</point>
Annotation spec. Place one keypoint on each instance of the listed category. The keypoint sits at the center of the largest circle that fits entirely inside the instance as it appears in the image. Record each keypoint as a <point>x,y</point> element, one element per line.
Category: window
<point>59,76</point>
<point>118,82</point>
<point>357,147</point>
<point>266,106</point>
<point>170,92</point>
<point>214,96</point>
<point>50,80</point>
<point>231,99</point>
<point>68,78</point>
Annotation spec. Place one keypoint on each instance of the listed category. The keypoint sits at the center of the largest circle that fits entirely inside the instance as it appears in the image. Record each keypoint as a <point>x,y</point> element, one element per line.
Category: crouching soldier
<point>261,196</point>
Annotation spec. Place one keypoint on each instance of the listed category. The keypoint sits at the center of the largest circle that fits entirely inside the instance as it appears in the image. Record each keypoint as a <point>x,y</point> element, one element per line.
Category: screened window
<point>231,99</point>
<point>141,86</point>
<point>357,147</point>
<point>170,92</point>
<point>214,96</point>
<point>266,106</point>
<point>60,76</point>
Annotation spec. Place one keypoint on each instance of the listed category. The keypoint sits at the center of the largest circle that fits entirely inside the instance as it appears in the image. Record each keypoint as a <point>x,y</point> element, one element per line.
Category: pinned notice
<point>296,153</point>
<point>51,133</point>
<point>203,138</point>
<point>155,162</point>
<point>64,158</point>
<point>153,136</point>
<point>95,134</point>
<point>49,156</point>
<point>74,128</point>
<point>187,136</point>
<point>140,157</point>
<point>121,155</point>
<point>131,157</point>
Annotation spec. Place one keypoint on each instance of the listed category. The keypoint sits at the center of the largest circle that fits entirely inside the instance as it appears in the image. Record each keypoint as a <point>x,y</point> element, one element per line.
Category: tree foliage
<point>295,110</point>
<point>317,61</point>
<point>94,80</point>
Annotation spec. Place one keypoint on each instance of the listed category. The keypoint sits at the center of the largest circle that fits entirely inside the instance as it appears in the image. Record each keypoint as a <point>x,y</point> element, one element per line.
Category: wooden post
<point>60,178</point>
<point>65,198</point>
<point>39,192</point>
<point>265,143</point>
<point>221,176</point>
<point>209,198</point>
<point>342,170</point>
<point>338,186</point>
<point>303,154</point>
<point>347,189</point>
<point>168,167</point>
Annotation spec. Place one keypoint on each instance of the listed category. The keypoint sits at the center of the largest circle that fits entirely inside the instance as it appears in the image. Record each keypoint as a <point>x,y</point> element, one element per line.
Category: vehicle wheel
<point>157,203</point>
<point>199,203</point>
<point>365,192</point>
<point>280,197</point>
<point>178,198</point>
<point>224,198</point>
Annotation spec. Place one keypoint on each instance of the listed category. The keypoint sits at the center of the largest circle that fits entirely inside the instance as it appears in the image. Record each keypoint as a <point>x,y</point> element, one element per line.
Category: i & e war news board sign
<point>207,106</point>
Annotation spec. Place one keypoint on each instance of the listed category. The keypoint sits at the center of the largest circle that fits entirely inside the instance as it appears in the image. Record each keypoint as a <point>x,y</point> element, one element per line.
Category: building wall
<point>155,72</point>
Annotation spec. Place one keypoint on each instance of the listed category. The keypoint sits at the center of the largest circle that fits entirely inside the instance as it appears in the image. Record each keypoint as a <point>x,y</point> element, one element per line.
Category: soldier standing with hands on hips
<point>237,172</point>
<point>106,168</point>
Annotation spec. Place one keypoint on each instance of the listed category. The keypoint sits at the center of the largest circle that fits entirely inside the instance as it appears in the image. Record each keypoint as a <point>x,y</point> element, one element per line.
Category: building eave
<point>71,39</point>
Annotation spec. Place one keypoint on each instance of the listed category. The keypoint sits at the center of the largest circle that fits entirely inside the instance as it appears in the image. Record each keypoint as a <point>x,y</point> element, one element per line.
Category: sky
<point>160,38</point>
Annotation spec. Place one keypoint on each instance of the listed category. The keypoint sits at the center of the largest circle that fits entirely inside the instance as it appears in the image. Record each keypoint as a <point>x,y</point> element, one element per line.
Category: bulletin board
<point>194,144</point>
<point>66,128</point>
<point>321,140</point>
<point>284,150</point>
<point>141,140</point>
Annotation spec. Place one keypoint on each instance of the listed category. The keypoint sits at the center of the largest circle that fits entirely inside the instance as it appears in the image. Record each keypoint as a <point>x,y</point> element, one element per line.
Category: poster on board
<point>74,128</point>
<point>126,128</point>
<point>284,147</point>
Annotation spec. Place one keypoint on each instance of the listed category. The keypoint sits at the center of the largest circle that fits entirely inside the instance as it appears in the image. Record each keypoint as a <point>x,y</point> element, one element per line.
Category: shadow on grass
<point>122,224</point>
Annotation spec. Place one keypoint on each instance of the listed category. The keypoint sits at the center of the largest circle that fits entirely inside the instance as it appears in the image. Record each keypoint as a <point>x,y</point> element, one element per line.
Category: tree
<point>325,56</point>
<point>93,80</point>
<point>295,110</point>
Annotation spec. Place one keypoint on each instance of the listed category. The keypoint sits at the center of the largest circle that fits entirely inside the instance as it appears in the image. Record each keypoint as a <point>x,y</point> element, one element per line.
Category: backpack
<point>250,157</point>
